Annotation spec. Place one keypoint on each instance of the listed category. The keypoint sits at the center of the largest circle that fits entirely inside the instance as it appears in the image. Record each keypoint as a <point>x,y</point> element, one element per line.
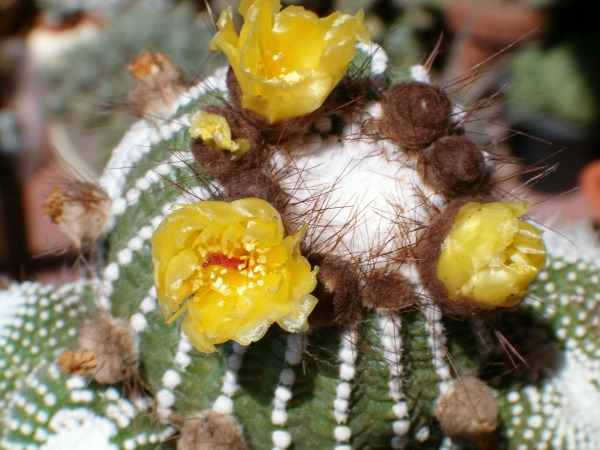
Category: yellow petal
<point>296,321</point>
<point>197,337</point>
<point>214,131</point>
<point>490,256</point>
<point>280,75</point>
<point>178,270</point>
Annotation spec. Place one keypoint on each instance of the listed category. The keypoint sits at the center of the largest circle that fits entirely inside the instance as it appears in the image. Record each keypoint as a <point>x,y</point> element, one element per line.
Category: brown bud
<point>467,411</point>
<point>81,210</point>
<point>454,166</point>
<point>114,346</point>
<point>211,430</point>
<point>415,114</point>
<point>156,84</point>
<point>388,290</point>
<point>337,291</point>
<point>256,184</point>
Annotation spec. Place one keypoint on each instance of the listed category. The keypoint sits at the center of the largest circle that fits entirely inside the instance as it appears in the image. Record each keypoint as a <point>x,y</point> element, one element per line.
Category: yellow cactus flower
<point>490,257</point>
<point>215,132</point>
<point>230,268</point>
<point>287,62</point>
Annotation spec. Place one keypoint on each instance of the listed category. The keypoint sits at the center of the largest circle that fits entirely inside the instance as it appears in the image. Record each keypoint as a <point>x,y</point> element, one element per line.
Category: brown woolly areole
<point>427,252</point>
<point>388,290</point>
<point>467,411</point>
<point>454,166</point>
<point>114,346</point>
<point>210,430</point>
<point>414,114</point>
<point>258,185</point>
<point>337,291</point>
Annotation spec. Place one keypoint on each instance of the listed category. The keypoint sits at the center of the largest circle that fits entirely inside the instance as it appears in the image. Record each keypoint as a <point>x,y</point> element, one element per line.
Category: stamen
<point>177,315</point>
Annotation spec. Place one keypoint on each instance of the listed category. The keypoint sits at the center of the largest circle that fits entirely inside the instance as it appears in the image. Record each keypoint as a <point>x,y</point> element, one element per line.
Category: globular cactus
<point>390,360</point>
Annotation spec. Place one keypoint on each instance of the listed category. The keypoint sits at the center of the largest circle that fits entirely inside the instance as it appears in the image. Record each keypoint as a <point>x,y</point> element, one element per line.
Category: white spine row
<point>391,339</point>
<point>282,439</point>
<point>132,148</point>
<point>437,340</point>
<point>437,343</point>
<point>341,405</point>
<point>224,402</point>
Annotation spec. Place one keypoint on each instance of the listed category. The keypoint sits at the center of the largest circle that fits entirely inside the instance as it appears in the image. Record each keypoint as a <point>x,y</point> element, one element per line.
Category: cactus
<point>93,364</point>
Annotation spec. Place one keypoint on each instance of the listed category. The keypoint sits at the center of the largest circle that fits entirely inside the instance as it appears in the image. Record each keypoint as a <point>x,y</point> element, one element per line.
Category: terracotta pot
<point>485,27</point>
<point>590,184</point>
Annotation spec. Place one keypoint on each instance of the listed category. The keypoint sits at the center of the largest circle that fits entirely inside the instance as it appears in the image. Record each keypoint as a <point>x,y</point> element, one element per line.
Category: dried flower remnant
<point>490,256</point>
<point>287,61</point>
<point>214,131</point>
<point>114,346</point>
<point>229,266</point>
<point>467,410</point>
<point>81,210</point>
<point>156,84</point>
<point>81,363</point>
<point>210,430</point>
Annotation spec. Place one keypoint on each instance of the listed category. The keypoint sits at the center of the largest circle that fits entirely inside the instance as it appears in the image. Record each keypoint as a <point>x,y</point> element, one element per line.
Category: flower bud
<point>415,114</point>
<point>214,131</point>
<point>454,166</point>
<point>490,256</point>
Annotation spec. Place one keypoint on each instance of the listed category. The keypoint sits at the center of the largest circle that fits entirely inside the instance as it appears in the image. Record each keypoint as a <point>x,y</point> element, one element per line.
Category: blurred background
<point>528,72</point>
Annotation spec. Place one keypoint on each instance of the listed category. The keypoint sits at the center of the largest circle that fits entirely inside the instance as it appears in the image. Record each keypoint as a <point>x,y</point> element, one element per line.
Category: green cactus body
<point>373,383</point>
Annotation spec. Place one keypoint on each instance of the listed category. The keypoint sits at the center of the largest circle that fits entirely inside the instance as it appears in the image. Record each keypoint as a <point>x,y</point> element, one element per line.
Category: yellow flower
<point>215,132</point>
<point>230,268</point>
<point>490,256</point>
<point>287,62</point>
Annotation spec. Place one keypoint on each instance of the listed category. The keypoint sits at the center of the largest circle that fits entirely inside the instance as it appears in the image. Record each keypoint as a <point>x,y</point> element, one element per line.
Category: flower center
<point>231,269</point>
<point>219,259</point>
<point>272,67</point>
